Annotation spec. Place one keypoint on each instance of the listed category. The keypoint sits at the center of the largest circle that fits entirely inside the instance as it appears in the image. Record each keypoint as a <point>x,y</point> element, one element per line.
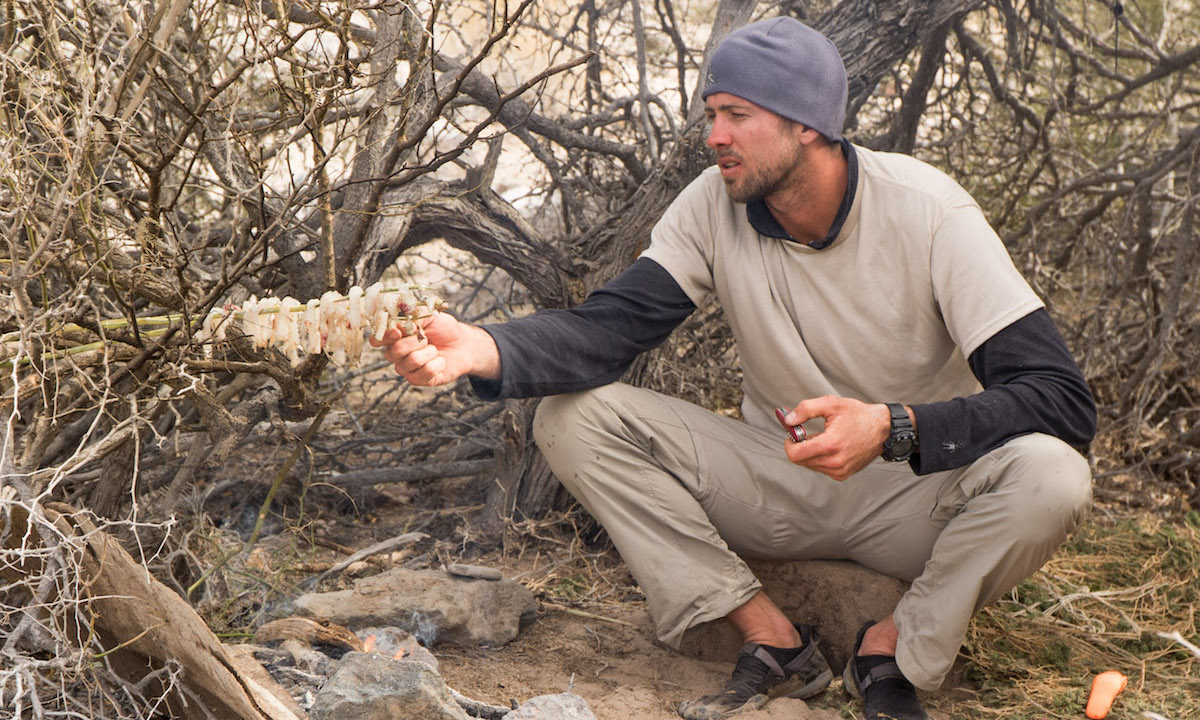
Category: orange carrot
<point>1105,687</point>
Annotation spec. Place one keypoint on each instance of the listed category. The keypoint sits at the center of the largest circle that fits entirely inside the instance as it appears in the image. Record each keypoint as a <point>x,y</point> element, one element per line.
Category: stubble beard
<point>768,179</point>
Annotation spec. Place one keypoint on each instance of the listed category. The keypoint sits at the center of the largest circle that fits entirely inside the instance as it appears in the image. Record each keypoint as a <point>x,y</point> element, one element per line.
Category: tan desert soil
<point>617,669</point>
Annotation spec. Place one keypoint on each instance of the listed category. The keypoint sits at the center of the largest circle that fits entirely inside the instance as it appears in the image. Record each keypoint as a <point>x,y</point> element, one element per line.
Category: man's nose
<point>717,134</point>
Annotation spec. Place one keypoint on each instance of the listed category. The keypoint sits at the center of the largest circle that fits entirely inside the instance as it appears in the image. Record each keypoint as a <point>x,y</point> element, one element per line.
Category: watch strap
<point>902,429</point>
<point>900,418</point>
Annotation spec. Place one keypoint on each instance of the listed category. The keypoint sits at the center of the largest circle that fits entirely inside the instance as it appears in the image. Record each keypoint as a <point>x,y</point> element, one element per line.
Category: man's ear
<point>808,136</point>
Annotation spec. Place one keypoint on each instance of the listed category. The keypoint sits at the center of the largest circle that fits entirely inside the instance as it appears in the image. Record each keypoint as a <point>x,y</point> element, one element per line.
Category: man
<point>939,402</point>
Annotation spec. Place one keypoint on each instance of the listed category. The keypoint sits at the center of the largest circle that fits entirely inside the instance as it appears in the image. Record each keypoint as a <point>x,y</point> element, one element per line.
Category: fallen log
<point>140,626</point>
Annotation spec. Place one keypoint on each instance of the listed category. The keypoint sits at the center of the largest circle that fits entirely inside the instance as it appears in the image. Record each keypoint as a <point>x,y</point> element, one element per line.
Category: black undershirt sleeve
<point>1031,384</point>
<point>591,344</point>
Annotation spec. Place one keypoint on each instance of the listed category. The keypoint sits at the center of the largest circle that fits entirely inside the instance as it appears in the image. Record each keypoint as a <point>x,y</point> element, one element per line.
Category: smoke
<point>423,628</point>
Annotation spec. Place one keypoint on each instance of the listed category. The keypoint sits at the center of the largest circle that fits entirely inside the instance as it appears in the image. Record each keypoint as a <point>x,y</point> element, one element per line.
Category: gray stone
<point>434,606</point>
<point>392,640</point>
<point>370,686</point>
<point>835,596</point>
<point>307,659</point>
<point>564,706</point>
<point>478,572</point>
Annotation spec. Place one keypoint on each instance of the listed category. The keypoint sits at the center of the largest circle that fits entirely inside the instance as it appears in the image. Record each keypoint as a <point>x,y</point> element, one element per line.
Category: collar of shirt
<point>764,222</point>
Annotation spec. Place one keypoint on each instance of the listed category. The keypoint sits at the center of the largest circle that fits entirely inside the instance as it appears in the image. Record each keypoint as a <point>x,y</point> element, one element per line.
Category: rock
<point>474,571</point>
<point>305,658</point>
<point>370,686</point>
<point>564,706</point>
<point>434,606</point>
<point>391,640</point>
<point>835,596</point>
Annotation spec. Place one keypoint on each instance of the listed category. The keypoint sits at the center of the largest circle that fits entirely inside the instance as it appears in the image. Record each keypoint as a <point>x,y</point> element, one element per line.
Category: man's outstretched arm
<point>551,351</point>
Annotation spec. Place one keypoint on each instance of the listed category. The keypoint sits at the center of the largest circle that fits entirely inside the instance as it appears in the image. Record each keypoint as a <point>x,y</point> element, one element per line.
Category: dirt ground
<point>599,643</point>
<point>616,668</point>
<point>593,634</point>
<point>608,658</point>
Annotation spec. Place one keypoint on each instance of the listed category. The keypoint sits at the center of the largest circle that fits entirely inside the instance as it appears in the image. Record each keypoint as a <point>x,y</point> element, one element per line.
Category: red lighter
<point>796,432</point>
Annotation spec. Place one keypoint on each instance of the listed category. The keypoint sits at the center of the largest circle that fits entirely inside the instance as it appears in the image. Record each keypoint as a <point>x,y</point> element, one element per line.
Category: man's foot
<point>878,682</point>
<point>762,672</point>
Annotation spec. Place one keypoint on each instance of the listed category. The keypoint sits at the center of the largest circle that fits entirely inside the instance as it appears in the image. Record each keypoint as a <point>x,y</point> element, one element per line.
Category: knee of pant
<point>1055,483</point>
<point>560,415</point>
<point>551,413</point>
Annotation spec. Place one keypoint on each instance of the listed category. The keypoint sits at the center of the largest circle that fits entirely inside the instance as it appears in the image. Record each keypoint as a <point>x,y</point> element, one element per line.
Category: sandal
<point>883,689</point>
<point>760,675</point>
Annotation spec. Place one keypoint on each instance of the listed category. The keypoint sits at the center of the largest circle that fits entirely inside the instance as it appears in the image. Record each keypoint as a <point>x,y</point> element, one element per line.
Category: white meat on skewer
<point>250,315</point>
<point>264,331</point>
<point>334,324</point>
<point>291,324</point>
<point>354,308</point>
<point>371,301</point>
<point>312,327</point>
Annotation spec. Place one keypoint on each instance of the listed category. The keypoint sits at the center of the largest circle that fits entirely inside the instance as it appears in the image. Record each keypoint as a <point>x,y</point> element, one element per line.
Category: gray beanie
<point>785,66</point>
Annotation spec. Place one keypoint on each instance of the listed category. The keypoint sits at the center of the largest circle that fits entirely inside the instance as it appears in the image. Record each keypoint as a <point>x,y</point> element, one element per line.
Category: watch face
<point>900,445</point>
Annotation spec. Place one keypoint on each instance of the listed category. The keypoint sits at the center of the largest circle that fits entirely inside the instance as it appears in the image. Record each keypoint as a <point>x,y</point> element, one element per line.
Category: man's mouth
<point>729,165</point>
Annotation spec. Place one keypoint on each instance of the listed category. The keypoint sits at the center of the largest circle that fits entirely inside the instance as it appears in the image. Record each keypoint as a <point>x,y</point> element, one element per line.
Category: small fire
<point>369,643</point>
<point>401,653</point>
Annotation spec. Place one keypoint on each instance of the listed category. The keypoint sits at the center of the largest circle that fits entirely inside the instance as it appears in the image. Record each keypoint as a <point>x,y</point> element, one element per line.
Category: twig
<point>478,709</point>
<point>431,471</point>
<point>130,641</point>
<point>584,614</point>
<point>1175,636</point>
<point>383,546</point>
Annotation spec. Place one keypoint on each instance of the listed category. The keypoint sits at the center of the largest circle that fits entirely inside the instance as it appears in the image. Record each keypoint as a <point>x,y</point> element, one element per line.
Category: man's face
<point>759,152</point>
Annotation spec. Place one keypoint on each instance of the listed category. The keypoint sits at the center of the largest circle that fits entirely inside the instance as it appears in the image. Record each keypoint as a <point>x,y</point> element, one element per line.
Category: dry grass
<point>1100,604</point>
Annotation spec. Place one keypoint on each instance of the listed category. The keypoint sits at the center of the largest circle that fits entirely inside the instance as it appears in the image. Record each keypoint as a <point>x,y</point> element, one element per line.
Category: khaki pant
<point>684,493</point>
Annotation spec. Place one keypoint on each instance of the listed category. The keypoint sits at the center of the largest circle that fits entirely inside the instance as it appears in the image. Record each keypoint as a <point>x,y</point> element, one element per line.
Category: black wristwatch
<point>902,442</point>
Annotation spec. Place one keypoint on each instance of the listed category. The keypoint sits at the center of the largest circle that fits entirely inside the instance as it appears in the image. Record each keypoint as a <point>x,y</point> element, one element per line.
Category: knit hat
<point>785,66</point>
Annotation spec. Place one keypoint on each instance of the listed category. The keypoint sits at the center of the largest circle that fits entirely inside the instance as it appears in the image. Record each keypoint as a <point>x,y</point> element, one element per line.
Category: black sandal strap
<point>882,671</point>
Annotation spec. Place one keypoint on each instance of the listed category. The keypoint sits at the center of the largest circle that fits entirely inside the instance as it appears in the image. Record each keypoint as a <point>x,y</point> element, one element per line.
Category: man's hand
<point>853,436</point>
<point>448,351</point>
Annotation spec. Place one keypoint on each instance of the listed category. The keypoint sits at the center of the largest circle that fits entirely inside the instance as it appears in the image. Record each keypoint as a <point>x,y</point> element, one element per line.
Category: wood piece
<point>382,546</point>
<point>309,631</point>
<point>143,625</point>
<point>417,473</point>
<point>477,708</point>
<point>584,614</point>
<point>251,669</point>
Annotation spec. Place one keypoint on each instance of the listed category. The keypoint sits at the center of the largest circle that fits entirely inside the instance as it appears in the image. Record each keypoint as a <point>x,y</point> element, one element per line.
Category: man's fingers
<point>815,446</point>
<point>823,453</point>
<point>427,374</point>
<point>391,335</point>
<point>813,407</point>
<point>403,347</point>
<point>417,359</point>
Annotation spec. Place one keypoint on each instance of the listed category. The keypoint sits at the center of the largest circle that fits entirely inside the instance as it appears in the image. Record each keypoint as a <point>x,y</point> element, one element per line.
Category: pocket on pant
<point>685,461</point>
<point>956,491</point>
